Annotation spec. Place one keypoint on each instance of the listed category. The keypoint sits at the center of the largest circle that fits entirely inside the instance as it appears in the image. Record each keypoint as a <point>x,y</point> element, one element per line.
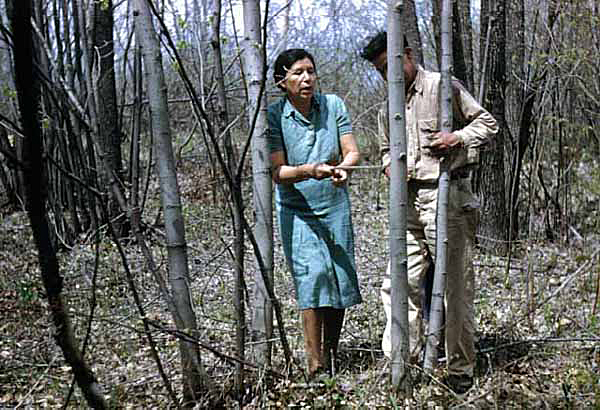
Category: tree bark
<point>222,111</point>
<point>398,200</point>
<point>481,74</point>
<point>462,15</point>
<point>493,227</point>
<point>459,64</point>
<point>194,377</point>
<point>436,317</point>
<point>436,12</point>
<point>8,174</point>
<point>411,25</point>
<point>28,94</point>
<point>237,202</point>
<point>262,314</point>
<point>109,130</point>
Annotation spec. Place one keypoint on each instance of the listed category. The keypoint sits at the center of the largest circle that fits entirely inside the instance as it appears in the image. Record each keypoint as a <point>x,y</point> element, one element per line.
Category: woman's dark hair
<point>286,60</point>
<point>377,45</point>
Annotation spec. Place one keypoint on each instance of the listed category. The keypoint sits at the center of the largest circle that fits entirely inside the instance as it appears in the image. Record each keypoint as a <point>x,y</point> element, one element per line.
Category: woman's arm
<point>288,174</point>
<point>350,156</point>
<point>350,153</point>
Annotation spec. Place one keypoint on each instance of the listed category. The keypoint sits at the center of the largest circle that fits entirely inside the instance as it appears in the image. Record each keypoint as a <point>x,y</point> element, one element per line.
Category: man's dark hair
<point>286,60</point>
<point>377,45</point>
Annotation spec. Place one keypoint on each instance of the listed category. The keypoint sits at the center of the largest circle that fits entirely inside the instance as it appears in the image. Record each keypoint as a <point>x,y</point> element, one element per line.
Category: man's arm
<point>384,138</point>
<point>480,126</point>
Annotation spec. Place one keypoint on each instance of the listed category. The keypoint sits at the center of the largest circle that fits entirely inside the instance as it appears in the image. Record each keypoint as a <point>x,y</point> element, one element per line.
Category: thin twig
<point>35,385</point>
<point>542,341</point>
<point>192,339</point>
<point>355,167</point>
<point>142,315</point>
<point>570,278</point>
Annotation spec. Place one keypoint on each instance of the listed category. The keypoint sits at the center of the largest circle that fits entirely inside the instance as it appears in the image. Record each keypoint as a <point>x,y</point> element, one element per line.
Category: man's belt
<point>460,173</point>
<point>455,175</point>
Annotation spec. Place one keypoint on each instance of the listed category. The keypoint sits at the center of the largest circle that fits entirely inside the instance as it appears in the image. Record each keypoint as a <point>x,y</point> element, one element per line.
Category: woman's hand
<point>322,171</point>
<point>339,177</point>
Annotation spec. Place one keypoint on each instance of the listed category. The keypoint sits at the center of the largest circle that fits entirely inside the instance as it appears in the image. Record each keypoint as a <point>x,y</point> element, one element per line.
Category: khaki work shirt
<point>472,124</point>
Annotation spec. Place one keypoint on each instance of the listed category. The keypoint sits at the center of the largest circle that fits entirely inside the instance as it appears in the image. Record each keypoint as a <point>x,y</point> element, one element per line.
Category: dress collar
<point>289,110</point>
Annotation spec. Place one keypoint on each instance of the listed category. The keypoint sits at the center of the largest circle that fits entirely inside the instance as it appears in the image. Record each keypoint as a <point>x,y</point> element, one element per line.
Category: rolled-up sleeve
<point>384,135</point>
<point>481,126</point>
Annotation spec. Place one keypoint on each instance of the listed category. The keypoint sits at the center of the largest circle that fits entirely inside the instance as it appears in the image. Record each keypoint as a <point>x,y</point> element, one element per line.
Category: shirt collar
<point>417,84</point>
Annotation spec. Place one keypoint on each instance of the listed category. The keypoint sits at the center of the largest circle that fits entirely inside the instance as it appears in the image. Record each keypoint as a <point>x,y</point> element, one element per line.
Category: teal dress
<point>314,216</point>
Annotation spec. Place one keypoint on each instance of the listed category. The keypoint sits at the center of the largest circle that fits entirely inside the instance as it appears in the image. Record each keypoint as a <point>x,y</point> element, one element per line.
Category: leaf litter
<point>530,354</point>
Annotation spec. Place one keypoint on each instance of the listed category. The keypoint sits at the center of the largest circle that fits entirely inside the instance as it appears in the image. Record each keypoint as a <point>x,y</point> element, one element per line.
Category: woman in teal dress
<point>310,136</point>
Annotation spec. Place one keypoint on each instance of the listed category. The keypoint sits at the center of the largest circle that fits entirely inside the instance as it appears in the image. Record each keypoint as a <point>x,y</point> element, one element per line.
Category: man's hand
<point>443,142</point>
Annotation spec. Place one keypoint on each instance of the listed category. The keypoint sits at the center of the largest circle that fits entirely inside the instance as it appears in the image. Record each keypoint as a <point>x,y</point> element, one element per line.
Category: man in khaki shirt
<point>473,128</point>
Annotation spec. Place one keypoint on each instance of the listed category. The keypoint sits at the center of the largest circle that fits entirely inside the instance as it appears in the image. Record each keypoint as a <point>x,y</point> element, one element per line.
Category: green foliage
<point>592,181</point>
<point>176,66</point>
<point>117,396</point>
<point>182,45</point>
<point>9,92</point>
<point>594,325</point>
<point>584,380</point>
<point>26,290</point>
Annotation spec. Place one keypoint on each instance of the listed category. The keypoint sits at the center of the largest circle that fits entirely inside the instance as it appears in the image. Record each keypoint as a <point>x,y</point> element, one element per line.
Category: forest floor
<point>537,351</point>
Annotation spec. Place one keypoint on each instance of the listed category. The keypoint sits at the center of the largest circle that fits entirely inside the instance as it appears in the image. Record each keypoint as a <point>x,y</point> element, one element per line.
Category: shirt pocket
<point>428,128</point>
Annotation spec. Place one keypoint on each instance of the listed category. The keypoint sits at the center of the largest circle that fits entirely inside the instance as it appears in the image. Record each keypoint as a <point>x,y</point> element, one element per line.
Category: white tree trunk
<point>441,246</point>
<point>185,318</point>
<point>398,199</point>
<point>262,313</point>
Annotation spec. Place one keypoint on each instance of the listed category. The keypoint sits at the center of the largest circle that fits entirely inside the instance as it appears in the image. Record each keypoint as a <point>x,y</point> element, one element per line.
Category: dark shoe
<point>459,383</point>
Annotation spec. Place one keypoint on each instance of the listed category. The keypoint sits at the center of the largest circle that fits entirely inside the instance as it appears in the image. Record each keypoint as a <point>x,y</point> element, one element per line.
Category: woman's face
<point>300,79</point>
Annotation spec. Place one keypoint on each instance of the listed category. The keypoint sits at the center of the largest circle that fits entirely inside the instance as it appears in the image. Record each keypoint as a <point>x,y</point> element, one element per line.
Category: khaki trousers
<point>421,241</point>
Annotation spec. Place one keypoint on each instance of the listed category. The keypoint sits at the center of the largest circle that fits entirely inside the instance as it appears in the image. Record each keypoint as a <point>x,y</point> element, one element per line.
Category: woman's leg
<point>332,328</point>
<point>312,321</point>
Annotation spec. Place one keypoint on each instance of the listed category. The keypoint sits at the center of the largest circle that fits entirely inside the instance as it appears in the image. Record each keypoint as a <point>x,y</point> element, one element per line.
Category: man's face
<point>380,63</point>
<point>408,66</point>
